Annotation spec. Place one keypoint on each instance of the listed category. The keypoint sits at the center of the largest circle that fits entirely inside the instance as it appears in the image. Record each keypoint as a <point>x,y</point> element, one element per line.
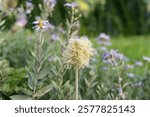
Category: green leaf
<point>41,92</point>
<point>31,75</point>
<point>2,22</point>
<point>30,84</point>
<point>87,82</point>
<point>23,90</point>
<point>43,74</point>
<point>54,84</point>
<point>20,97</point>
<point>34,56</point>
<point>67,84</point>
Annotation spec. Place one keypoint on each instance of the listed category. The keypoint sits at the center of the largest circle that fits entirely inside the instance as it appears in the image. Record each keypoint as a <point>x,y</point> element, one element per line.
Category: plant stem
<point>76,83</point>
<point>71,24</point>
<point>119,82</point>
<point>38,62</point>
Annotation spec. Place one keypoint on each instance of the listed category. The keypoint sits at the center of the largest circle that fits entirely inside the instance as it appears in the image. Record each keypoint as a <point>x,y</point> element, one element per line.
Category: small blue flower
<point>120,91</point>
<point>50,3</point>
<point>146,58</point>
<point>138,63</point>
<point>55,37</point>
<point>131,75</point>
<point>103,36</point>
<point>103,39</point>
<point>71,5</point>
<point>29,6</point>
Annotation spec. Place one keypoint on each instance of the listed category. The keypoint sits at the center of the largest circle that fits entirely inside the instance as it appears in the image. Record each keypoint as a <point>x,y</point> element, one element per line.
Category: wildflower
<point>77,53</point>
<point>138,84</point>
<point>71,5</point>
<point>120,91</point>
<point>146,58</point>
<point>40,24</point>
<point>29,6</point>
<point>50,3</point>
<point>21,19</point>
<point>103,48</point>
<point>131,75</point>
<point>113,56</point>
<point>121,94</point>
<point>55,37</point>
<point>103,39</point>
<point>138,63</point>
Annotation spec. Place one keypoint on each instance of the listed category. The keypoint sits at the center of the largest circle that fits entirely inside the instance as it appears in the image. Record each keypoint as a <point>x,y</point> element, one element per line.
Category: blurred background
<point>114,17</point>
<point>127,22</point>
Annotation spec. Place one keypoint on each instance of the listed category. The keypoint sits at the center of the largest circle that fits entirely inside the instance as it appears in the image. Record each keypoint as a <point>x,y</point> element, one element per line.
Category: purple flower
<point>120,91</point>
<point>113,57</point>
<point>138,63</point>
<point>50,3</point>
<point>71,5</point>
<point>55,37</point>
<point>131,75</point>
<point>146,58</point>
<point>21,20</point>
<point>113,54</point>
<point>103,48</point>
<point>29,3</point>
<point>29,6</point>
<point>104,37</point>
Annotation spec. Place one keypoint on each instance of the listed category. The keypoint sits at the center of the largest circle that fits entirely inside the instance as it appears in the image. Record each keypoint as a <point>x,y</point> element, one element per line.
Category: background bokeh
<point>114,17</point>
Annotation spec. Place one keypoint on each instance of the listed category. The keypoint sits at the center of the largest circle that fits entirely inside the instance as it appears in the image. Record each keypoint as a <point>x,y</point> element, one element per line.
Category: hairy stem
<point>38,62</point>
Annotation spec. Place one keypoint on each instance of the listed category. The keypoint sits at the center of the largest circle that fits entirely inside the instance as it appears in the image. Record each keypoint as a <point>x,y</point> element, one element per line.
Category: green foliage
<point>132,46</point>
<point>17,48</point>
<point>37,75</point>
<point>118,17</point>
<point>94,82</point>
<point>11,79</point>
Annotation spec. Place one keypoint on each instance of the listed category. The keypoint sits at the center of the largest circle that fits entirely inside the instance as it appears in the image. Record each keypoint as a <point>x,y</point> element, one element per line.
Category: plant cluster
<point>57,63</point>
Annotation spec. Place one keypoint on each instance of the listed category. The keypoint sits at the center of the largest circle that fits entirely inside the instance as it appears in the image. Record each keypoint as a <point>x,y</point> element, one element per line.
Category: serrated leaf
<point>41,92</point>
<point>20,97</point>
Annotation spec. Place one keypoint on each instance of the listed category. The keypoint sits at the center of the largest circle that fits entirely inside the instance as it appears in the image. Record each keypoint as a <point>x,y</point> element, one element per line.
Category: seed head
<point>77,53</point>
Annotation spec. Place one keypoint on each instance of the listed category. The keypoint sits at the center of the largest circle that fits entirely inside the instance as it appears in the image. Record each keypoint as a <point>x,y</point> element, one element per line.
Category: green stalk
<point>76,83</point>
<point>38,62</point>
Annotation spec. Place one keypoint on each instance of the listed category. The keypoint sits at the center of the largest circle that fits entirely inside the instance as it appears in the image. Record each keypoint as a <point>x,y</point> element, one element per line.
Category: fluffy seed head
<point>77,53</point>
